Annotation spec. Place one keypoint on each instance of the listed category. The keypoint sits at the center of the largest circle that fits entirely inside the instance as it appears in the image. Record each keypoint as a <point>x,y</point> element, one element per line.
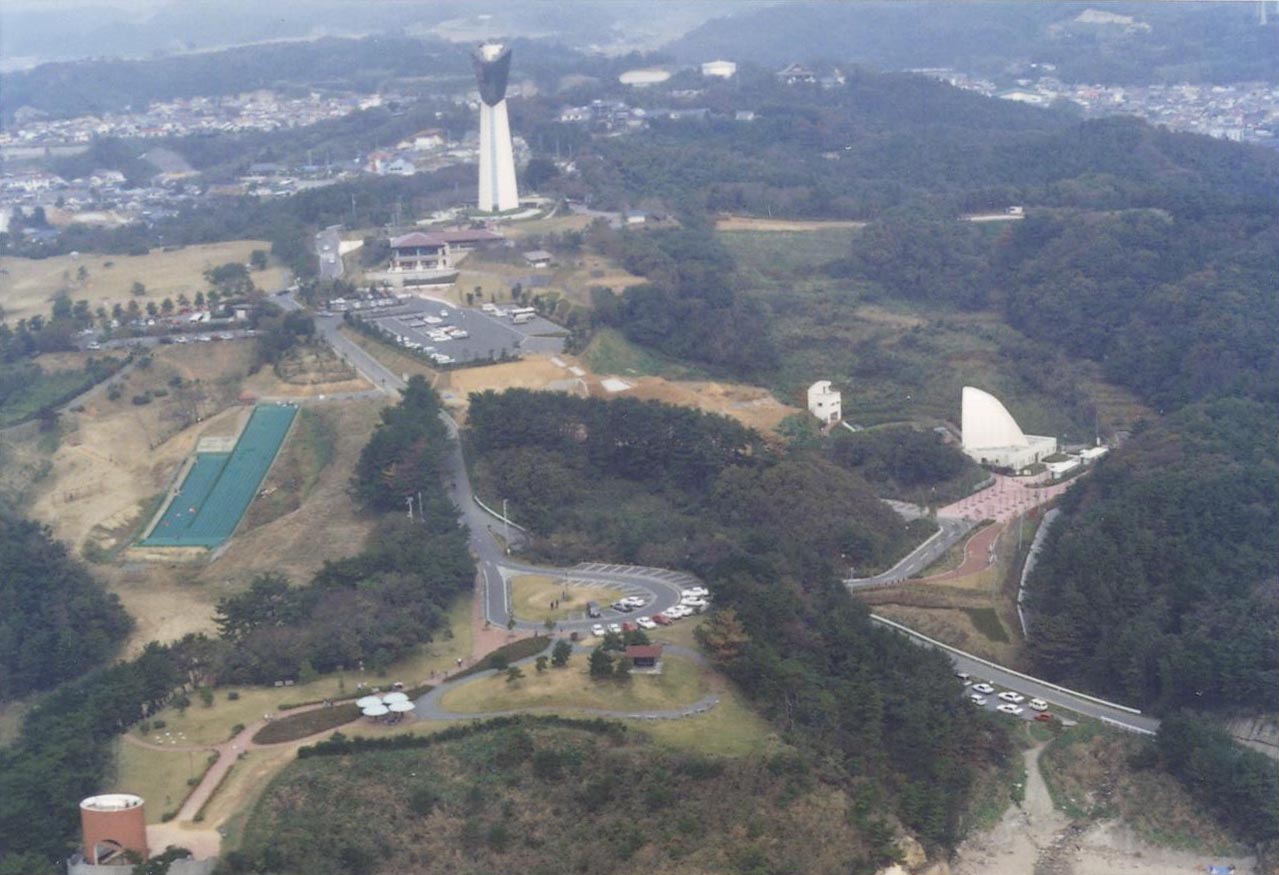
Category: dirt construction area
<point>753,223</point>
<point>749,405</point>
<point>29,285</point>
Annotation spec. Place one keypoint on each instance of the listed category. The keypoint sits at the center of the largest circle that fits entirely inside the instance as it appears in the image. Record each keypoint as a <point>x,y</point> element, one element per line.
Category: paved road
<point>327,250</point>
<point>492,561</point>
<point>1007,679</point>
<point>950,531</point>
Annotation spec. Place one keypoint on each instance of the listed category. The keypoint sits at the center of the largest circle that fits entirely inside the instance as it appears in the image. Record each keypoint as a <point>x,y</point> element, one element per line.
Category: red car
<point>661,619</point>
<point>628,627</point>
<point>1044,717</point>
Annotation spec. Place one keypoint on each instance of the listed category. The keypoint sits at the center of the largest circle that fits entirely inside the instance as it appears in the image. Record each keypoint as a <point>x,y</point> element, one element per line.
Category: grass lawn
<point>731,728</point>
<point>680,683</point>
<point>235,797</point>
<point>32,283</point>
<point>158,776</point>
<point>610,352</point>
<point>210,725</point>
<point>532,594</point>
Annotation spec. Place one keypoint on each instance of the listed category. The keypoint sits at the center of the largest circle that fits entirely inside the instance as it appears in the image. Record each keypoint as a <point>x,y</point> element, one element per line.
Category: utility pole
<point>506,527</point>
<point>409,500</point>
<point>420,512</point>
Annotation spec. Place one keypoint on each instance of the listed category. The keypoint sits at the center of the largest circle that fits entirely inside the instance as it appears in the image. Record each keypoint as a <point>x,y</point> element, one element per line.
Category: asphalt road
<point>327,244</point>
<point>663,591</point>
<point>1006,679</point>
<point>950,531</point>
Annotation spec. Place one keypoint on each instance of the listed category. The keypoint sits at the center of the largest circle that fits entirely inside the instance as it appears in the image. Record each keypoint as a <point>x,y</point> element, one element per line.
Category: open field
<point>756,223</point>
<point>680,683</point>
<point>609,352</point>
<point>159,777</point>
<point>305,372</point>
<point>732,728</point>
<point>532,594</point>
<point>31,284</point>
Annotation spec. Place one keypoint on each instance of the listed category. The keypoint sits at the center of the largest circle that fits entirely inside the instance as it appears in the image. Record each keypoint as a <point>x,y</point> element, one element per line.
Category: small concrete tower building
<point>497,159</point>
<point>112,824</point>
<point>824,402</point>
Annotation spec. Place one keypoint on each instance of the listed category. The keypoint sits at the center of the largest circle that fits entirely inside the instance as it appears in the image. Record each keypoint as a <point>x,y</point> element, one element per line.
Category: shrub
<point>422,800</point>
<point>233,696</point>
<point>144,398</point>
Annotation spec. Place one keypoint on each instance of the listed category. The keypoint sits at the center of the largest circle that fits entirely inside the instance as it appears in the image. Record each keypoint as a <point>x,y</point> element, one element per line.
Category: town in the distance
<point>718,438</point>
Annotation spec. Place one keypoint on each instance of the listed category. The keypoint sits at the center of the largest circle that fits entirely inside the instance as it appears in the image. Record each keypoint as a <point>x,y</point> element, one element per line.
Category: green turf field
<point>219,487</point>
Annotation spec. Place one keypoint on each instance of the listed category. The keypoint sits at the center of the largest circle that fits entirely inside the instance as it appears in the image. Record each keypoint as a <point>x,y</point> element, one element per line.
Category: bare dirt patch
<point>753,223</point>
<point>750,405</point>
<point>31,284</point>
<point>307,372</point>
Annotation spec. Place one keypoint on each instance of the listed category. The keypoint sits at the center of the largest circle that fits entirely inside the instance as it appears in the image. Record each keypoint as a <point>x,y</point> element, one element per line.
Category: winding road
<point>662,587</point>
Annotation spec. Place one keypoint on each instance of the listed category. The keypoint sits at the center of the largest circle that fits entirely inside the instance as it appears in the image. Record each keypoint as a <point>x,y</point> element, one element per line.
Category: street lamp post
<point>506,527</point>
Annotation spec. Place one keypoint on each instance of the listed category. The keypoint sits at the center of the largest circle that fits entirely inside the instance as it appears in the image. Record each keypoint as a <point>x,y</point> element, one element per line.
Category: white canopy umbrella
<point>401,707</point>
<point>367,701</point>
<point>392,698</point>
<point>378,710</point>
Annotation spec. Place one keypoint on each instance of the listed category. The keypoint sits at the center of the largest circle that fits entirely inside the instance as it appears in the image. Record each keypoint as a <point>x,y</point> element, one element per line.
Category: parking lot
<point>456,335</point>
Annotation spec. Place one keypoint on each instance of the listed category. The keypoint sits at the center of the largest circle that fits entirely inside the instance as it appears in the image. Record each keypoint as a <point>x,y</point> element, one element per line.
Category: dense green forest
<point>1157,587</point>
<point>1241,786</point>
<point>1183,42</point>
<point>372,608</point>
<point>56,621</point>
<point>644,482</point>
<point>907,463</point>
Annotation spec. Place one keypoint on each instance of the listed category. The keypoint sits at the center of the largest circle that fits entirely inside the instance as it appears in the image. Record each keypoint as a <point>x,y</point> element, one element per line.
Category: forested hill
<point>1162,584</point>
<point>56,621</point>
<point>1195,42</point>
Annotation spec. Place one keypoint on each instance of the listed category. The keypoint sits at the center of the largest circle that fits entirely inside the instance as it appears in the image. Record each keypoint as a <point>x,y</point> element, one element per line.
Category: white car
<point>645,623</point>
<point>636,601</point>
<point>1010,696</point>
<point>984,689</point>
<point>597,630</point>
<point>978,700</point>
<point>1009,709</point>
<point>695,592</point>
<point>615,628</point>
<point>1039,704</point>
<point>678,612</point>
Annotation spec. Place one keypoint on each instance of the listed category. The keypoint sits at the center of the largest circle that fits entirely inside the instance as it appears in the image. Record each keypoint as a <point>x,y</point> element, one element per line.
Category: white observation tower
<point>497,161</point>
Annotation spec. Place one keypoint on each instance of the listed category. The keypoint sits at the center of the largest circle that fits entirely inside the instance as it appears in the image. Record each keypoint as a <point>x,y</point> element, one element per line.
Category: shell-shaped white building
<point>992,437</point>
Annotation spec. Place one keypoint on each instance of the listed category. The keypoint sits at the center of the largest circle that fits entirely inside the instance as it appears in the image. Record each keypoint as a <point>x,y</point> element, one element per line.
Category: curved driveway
<point>663,586</point>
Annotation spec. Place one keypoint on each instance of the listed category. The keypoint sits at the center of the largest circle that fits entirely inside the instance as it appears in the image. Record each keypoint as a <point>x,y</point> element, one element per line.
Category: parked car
<point>978,700</point>
<point>621,606</point>
<point>1010,696</point>
<point>1044,717</point>
<point>646,623</point>
<point>636,601</point>
<point>1009,709</point>
<point>628,626</point>
<point>661,619</point>
<point>964,676</point>
<point>1039,704</point>
<point>615,628</point>
<point>985,689</point>
<point>597,630</point>
<point>592,609</point>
